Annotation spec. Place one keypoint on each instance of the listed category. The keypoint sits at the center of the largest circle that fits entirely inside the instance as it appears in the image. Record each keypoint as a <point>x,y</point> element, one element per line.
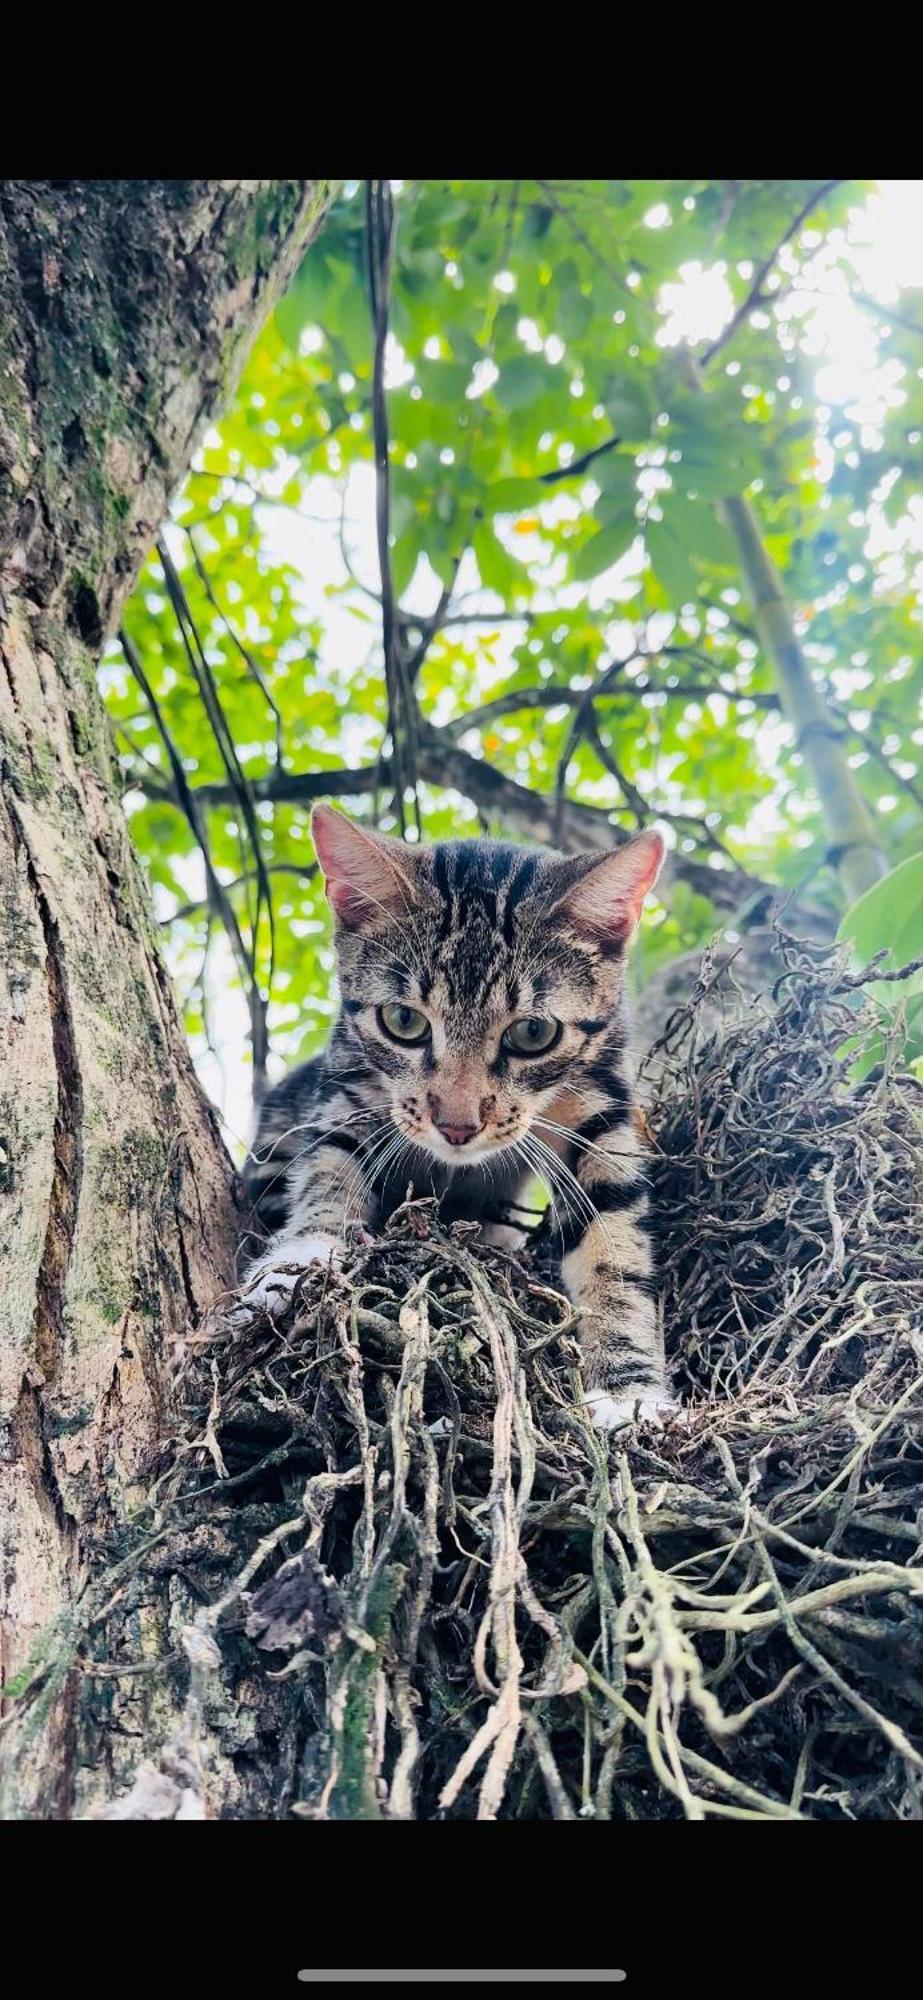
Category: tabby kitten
<point>481,1042</point>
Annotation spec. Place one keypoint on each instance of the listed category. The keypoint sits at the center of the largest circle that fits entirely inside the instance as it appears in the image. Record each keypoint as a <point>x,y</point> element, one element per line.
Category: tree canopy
<point>464,555</point>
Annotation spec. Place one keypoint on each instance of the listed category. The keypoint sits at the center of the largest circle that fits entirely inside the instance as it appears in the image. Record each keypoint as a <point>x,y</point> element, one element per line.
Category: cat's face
<point>481,978</point>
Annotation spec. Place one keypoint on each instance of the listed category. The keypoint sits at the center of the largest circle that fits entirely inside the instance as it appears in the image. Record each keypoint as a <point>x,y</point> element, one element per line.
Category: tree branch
<point>753,299</point>
<point>191,804</point>
<point>305,870</point>
<point>551,695</point>
<point>578,465</point>
<point>755,295</point>
<point>527,815</point>
<point>380,233</point>
<point>534,817</point>
<point>237,642</point>
<point>211,701</point>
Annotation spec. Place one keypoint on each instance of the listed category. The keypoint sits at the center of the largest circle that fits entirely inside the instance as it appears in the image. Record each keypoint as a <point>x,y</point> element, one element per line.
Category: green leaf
<point>512,496</point>
<point>403,513</point>
<point>630,410</point>
<point>404,558</point>
<point>522,380</point>
<point>307,301</point>
<point>718,462</point>
<point>696,526</point>
<point>574,313</point>
<point>615,472</point>
<point>443,381</point>
<point>616,504</point>
<point>463,344</point>
<point>867,1053</point>
<point>671,564</point>
<point>890,914</point>
<point>497,567</point>
<point>604,548</point>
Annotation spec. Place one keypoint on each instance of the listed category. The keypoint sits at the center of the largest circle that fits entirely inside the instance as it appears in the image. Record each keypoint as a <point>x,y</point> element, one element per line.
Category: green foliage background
<point>570,606</point>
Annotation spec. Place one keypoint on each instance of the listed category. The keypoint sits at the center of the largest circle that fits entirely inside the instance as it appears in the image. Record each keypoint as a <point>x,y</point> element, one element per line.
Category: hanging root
<point>409,1579</point>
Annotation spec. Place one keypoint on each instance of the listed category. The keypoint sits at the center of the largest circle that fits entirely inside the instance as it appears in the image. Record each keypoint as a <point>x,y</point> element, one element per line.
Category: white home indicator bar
<point>453,1977</point>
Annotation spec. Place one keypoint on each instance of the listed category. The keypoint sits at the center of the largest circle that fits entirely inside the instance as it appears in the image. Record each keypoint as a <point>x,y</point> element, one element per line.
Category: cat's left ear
<point>605,894</point>
<point>369,876</point>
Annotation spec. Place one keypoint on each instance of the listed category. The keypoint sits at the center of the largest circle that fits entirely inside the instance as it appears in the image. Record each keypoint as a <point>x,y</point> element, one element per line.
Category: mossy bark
<point>125,310</point>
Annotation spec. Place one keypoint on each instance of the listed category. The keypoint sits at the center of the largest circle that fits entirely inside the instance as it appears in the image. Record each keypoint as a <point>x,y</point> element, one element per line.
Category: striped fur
<point>473,936</point>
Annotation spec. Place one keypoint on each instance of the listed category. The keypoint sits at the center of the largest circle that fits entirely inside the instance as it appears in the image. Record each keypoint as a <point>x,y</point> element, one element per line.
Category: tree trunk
<point>125,311</point>
<point>854,849</point>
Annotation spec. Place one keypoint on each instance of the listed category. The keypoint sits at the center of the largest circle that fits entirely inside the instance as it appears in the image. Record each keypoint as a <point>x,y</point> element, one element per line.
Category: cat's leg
<point>324,1193</point>
<point>502,1236</point>
<point>608,1269</point>
<point>494,1201</point>
<point>507,1226</point>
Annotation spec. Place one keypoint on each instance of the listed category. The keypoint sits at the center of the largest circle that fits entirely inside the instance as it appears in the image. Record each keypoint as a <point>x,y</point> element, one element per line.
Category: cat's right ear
<point>368,875</point>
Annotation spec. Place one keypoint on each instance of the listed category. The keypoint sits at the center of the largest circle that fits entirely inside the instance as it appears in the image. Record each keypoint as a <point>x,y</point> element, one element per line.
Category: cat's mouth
<point>455,1144</point>
<point>468,1152</point>
<point>460,1152</point>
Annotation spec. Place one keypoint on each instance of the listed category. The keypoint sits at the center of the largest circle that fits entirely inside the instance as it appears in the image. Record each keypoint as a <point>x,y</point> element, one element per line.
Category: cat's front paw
<point>613,1413</point>
<point>269,1284</point>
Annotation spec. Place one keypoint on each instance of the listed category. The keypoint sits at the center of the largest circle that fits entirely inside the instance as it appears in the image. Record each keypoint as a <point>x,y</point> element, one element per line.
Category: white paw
<point>609,1413</point>
<point>271,1282</point>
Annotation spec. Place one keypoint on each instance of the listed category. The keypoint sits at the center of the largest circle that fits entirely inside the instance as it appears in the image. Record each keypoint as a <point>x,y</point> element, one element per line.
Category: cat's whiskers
<point>260,1158</point>
<point>267,1187</point>
<point>595,1100</point>
<point>369,1169</point>
<point>405,1151</point>
<point>607,1153</point>
<point>557,1200</point>
<point>361,1169</point>
<point>535,1173</point>
<point>575,1196</point>
<point>385,1166</point>
<point>565,1132</point>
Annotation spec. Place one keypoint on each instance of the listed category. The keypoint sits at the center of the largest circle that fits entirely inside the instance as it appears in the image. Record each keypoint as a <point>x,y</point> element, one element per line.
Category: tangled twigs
<point>405,1579</point>
<point>509,1583</point>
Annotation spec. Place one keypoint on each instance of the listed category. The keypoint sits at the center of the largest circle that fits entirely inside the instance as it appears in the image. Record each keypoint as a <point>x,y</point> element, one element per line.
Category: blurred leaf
<point>889,916</point>
<point>671,563</point>
<point>497,567</point>
<point>508,496</point>
<point>522,380</point>
<point>630,410</point>
<point>604,548</point>
<point>443,381</point>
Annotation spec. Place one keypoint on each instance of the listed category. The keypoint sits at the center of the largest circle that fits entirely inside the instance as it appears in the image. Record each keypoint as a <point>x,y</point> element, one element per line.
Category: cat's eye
<point>532,1036</point>
<point>403,1024</point>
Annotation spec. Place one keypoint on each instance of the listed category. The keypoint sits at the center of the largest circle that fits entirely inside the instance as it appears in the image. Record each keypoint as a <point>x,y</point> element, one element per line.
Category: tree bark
<point>126,309</point>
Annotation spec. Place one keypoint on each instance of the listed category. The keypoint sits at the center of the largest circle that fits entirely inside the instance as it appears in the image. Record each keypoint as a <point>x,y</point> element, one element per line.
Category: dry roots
<point>464,1603</point>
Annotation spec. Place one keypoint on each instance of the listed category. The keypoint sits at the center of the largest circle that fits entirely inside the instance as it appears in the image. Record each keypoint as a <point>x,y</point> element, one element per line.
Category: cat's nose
<point>457,1135</point>
<point>454,1121</point>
